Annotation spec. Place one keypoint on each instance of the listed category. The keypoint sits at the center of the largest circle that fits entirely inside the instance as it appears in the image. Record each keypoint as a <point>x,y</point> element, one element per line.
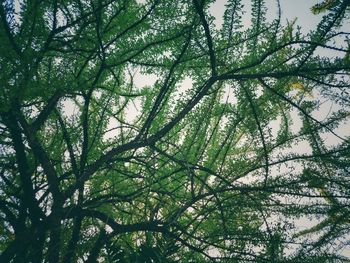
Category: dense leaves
<point>145,131</point>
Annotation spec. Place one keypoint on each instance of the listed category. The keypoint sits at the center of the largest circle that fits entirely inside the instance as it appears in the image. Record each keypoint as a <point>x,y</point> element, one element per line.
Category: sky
<point>290,10</point>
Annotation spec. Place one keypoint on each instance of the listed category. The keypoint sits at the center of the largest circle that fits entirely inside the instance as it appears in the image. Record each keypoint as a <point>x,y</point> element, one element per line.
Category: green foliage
<point>143,131</point>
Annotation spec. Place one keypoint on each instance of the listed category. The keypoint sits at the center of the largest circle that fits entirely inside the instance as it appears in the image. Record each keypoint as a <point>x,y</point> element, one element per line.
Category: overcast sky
<point>290,10</point>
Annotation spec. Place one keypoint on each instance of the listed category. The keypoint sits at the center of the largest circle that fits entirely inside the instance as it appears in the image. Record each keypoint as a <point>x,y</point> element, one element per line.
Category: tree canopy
<point>149,131</point>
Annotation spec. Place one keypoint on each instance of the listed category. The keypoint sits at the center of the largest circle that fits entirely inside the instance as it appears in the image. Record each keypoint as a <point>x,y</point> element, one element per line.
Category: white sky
<point>290,10</point>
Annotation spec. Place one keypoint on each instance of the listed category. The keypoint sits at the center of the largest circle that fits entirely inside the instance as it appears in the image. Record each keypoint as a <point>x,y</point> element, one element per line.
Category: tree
<point>202,165</point>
